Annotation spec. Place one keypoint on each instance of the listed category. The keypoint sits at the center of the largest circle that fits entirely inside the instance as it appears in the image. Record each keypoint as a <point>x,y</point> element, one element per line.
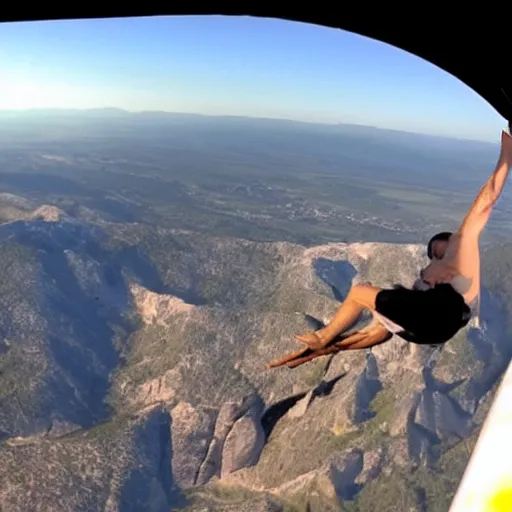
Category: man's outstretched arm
<point>480,212</point>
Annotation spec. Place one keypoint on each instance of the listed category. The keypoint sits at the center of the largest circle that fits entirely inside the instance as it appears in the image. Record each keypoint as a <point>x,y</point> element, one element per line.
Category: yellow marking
<point>502,500</point>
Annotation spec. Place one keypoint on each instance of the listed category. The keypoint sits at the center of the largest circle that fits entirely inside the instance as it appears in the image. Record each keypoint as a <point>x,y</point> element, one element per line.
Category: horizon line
<point>239,116</point>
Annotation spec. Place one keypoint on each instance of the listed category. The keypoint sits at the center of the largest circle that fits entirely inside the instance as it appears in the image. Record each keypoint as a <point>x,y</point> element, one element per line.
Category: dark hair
<point>444,236</point>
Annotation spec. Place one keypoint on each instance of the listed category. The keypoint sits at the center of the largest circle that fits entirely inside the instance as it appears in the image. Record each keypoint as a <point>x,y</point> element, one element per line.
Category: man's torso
<point>460,267</point>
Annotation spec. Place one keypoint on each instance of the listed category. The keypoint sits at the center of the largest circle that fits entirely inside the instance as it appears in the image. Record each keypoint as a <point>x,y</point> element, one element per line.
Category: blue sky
<point>235,66</point>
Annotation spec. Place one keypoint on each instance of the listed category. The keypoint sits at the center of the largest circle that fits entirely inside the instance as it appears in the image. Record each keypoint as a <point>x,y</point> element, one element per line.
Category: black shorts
<point>427,317</point>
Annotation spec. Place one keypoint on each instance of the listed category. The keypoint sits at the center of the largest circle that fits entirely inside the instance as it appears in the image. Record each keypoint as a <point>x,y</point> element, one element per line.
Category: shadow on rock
<point>151,484</point>
<point>492,344</point>
<point>338,275</point>
<point>85,330</point>
<point>131,259</point>
<point>275,412</point>
<point>367,386</point>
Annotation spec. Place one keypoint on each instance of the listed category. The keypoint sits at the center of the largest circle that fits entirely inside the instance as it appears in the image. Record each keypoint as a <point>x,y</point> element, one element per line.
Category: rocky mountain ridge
<point>133,376</point>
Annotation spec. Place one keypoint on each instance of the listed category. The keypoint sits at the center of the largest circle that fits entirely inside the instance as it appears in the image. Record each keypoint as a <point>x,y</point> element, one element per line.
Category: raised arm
<point>478,216</point>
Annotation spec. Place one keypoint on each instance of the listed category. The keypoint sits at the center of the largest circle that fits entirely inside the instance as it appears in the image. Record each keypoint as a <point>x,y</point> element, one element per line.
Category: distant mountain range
<point>341,127</point>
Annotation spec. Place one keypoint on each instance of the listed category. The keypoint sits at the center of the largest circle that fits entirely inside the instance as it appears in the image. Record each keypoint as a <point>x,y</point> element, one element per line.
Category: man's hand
<point>438,273</point>
<point>312,340</point>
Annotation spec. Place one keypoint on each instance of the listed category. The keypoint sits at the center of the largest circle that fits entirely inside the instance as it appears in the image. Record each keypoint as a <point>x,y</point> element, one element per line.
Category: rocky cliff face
<point>133,378</point>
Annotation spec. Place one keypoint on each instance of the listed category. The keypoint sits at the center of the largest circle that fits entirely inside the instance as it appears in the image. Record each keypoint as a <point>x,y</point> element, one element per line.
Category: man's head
<point>437,245</point>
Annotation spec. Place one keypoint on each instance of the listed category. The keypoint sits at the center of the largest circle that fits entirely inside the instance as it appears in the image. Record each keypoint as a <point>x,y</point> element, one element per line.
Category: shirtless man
<point>446,296</point>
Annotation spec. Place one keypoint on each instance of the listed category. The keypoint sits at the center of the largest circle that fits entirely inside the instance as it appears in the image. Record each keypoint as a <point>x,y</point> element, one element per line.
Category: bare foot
<point>314,340</point>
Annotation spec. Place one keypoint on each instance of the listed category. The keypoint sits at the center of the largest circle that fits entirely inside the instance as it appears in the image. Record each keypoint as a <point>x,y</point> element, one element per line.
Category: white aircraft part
<point>487,482</point>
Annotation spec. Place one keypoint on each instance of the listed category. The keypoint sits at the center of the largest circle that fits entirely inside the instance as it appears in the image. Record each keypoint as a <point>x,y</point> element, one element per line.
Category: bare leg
<point>364,337</point>
<point>379,334</point>
<point>360,297</point>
